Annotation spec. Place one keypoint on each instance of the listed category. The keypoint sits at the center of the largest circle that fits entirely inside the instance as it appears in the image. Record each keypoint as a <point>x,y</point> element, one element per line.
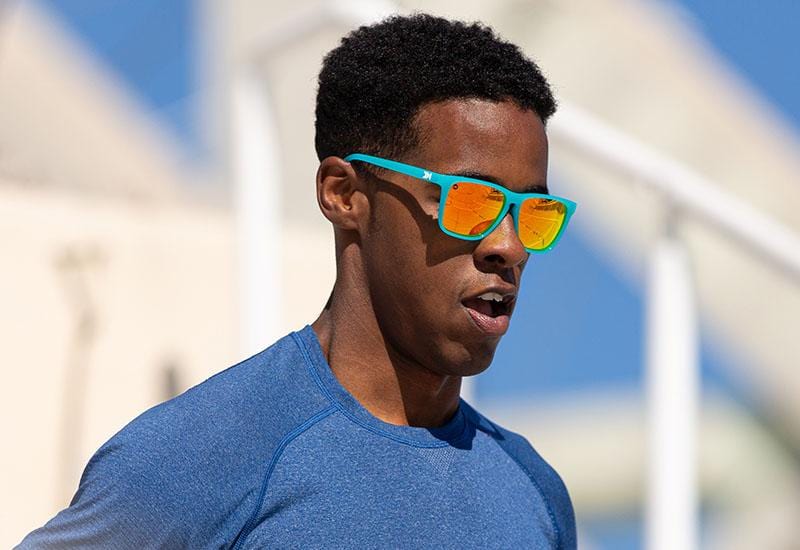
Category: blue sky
<point>760,41</point>
<point>152,46</point>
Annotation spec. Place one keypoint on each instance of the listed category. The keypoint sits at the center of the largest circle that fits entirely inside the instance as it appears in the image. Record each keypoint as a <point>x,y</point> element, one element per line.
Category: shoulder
<point>235,414</point>
<point>188,472</point>
<point>543,476</point>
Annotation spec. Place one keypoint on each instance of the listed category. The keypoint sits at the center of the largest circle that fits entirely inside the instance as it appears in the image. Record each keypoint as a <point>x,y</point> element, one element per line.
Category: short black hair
<point>373,84</point>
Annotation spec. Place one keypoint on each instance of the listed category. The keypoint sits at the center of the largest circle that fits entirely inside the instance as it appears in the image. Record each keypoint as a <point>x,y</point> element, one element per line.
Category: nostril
<point>495,259</point>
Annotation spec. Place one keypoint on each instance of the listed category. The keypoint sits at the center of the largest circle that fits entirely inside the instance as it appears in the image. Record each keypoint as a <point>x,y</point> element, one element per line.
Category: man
<point>350,433</point>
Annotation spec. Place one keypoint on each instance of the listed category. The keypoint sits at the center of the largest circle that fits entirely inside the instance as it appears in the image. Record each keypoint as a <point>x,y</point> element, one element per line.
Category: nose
<point>501,249</point>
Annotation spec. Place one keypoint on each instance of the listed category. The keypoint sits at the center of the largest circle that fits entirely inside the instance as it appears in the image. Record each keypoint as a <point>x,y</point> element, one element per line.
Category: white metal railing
<point>672,370</point>
<point>255,161</point>
<point>685,190</point>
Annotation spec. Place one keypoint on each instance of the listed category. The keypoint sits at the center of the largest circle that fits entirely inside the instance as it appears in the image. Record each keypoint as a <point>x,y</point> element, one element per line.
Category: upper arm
<point>548,483</point>
<point>123,501</point>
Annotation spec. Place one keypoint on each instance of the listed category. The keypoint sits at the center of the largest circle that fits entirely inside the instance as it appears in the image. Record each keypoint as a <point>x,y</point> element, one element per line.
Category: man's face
<point>423,283</point>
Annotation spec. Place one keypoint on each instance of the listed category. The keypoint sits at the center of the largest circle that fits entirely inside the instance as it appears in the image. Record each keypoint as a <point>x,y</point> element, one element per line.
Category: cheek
<point>394,252</point>
<point>415,286</point>
<point>402,279</point>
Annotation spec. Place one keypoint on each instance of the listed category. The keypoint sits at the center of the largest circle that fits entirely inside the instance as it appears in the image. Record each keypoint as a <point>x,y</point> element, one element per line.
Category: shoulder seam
<point>309,365</point>
<point>550,513</point>
<point>288,438</point>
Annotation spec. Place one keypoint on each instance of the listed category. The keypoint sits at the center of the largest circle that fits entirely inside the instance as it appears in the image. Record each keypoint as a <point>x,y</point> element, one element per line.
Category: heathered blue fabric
<point>275,453</point>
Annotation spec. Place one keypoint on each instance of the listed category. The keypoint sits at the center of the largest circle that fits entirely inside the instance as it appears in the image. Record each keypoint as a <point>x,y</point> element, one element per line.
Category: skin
<point>395,332</point>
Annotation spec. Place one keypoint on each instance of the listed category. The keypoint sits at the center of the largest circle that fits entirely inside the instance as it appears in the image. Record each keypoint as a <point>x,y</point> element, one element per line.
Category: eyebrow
<point>534,188</point>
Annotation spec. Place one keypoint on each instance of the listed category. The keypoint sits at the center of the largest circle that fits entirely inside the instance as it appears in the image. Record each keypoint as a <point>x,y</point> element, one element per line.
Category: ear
<point>341,194</point>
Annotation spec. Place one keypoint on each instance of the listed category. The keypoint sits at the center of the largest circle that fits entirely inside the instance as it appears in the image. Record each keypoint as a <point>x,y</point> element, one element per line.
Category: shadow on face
<point>439,247</point>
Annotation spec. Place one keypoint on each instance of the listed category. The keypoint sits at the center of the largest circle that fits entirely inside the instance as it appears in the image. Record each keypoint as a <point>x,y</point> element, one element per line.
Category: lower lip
<point>492,326</point>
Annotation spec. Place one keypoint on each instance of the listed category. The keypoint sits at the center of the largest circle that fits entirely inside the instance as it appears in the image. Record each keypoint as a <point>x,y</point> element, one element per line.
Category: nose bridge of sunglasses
<point>506,221</point>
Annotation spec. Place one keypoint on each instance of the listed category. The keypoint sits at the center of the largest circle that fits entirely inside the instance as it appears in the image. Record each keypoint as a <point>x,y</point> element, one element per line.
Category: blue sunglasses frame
<point>446,182</point>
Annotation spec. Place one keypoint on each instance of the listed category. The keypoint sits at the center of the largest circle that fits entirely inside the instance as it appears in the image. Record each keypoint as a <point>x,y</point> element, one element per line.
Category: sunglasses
<point>470,208</point>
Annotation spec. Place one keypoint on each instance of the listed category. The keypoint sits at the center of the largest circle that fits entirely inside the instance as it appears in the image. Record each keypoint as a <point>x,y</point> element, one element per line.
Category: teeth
<point>491,296</point>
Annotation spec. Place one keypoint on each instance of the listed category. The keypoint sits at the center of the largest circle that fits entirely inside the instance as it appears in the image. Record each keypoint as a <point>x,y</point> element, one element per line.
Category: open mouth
<point>491,304</point>
<point>490,312</point>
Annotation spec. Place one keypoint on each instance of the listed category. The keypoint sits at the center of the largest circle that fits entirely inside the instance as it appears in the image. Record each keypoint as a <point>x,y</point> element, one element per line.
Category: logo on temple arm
<point>426,175</point>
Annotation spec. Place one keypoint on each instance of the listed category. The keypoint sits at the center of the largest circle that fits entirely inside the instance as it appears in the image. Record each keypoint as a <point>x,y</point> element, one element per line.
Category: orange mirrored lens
<point>471,208</point>
<point>540,220</point>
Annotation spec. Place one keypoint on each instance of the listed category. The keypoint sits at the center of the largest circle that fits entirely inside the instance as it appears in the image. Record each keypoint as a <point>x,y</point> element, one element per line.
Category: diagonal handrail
<point>685,189</point>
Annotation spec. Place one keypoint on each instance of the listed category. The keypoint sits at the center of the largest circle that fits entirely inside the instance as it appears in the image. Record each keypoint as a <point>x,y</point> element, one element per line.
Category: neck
<point>388,383</point>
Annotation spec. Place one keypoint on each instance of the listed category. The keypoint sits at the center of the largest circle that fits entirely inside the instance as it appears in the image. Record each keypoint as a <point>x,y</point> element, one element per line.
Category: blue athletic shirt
<point>275,453</point>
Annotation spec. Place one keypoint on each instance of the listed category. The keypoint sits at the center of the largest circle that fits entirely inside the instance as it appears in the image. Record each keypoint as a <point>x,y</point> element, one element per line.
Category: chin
<point>475,369</point>
<point>469,360</point>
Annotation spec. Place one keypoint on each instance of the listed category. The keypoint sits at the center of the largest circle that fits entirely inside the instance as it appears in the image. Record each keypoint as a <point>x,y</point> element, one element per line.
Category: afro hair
<point>373,84</point>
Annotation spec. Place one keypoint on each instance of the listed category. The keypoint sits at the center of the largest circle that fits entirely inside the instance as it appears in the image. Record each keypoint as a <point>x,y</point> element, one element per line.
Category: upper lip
<point>508,292</point>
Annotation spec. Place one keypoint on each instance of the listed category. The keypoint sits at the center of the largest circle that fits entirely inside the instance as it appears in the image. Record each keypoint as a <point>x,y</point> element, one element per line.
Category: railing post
<point>672,386</point>
<point>256,168</point>
<point>258,201</point>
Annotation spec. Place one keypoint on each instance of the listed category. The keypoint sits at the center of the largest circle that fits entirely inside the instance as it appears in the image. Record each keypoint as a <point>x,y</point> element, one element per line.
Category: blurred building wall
<point>116,284</point>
